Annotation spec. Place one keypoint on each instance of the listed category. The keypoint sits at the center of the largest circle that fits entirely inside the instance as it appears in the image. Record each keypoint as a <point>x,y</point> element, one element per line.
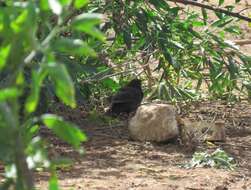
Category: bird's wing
<point>125,95</point>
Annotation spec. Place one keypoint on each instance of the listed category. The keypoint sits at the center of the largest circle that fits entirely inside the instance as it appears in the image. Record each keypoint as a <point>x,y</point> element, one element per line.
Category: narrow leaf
<point>74,46</point>
<point>53,183</point>
<point>44,5</point>
<point>4,52</point>
<point>63,83</point>
<point>86,23</point>
<point>80,3</point>
<point>65,2</point>
<point>159,4</point>
<point>88,19</point>
<point>8,93</point>
<point>249,24</point>
<point>221,2</point>
<point>64,130</point>
<point>32,100</point>
<point>17,24</point>
<point>204,14</point>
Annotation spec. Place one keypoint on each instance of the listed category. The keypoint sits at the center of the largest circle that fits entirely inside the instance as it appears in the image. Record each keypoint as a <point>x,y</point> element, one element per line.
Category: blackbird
<point>127,99</point>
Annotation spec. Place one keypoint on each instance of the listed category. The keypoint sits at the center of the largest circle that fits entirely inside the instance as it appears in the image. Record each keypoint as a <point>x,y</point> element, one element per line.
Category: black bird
<point>127,99</point>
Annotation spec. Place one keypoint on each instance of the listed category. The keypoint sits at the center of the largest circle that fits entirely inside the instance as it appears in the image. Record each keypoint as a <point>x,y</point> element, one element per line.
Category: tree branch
<point>242,42</point>
<point>216,9</point>
<point>25,177</point>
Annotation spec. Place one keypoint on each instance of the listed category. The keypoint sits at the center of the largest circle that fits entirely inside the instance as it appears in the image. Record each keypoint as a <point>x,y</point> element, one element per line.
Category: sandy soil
<point>113,161</point>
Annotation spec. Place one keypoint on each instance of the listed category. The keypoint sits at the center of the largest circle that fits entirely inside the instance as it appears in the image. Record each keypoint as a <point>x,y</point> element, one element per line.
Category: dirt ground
<point>113,161</point>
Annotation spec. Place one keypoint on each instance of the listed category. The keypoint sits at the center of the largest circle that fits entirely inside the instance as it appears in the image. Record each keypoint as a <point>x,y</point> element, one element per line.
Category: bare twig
<point>244,10</point>
<point>101,75</point>
<point>108,76</point>
<point>209,7</point>
<point>242,42</point>
<point>45,42</point>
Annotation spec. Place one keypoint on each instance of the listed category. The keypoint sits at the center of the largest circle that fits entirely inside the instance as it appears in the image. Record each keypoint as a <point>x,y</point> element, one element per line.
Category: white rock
<point>154,122</point>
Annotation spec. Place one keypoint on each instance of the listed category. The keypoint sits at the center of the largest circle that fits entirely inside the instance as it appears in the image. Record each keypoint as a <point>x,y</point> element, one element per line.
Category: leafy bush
<point>217,159</point>
<point>53,48</point>
<point>33,39</point>
<point>187,51</point>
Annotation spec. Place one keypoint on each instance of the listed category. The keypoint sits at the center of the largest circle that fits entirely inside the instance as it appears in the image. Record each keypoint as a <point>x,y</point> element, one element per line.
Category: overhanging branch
<point>216,9</point>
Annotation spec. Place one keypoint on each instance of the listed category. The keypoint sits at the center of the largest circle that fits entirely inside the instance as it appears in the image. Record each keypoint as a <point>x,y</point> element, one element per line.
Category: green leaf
<point>159,4</point>
<point>53,183</point>
<point>141,20</point>
<point>174,11</point>
<point>170,59</point>
<point>221,2</point>
<point>64,130</point>
<point>1,21</point>
<point>233,68</point>
<point>196,34</point>
<point>65,2</point>
<point>20,78</point>
<point>8,93</point>
<point>94,32</point>
<point>233,30</point>
<point>127,38</point>
<point>30,131</point>
<point>63,83</point>
<point>74,46</point>
<point>32,100</point>
<point>237,1</point>
<point>80,3</point>
<point>217,159</point>
<point>55,6</point>
<point>44,5</point>
<point>4,52</point>
<point>219,15</point>
<point>198,23</point>
<point>222,22</point>
<point>249,24</point>
<point>88,19</point>
<point>204,14</point>
<point>17,24</point>
<point>176,44</point>
<point>86,22</point>
<point>111,84</point>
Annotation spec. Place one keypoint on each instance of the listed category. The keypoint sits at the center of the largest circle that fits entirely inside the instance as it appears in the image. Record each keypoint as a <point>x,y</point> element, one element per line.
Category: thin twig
<point>51,35</point>
<point>244,10</point>
<point>95,78</point>
<point>209,128</point>
<point>216,9</point>
<point>242,42</point>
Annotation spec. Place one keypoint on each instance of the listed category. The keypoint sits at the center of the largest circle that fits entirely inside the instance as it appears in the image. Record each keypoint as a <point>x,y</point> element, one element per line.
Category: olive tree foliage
<point>182,53</point>
<point>33,40</point>
<point>50,46</point>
